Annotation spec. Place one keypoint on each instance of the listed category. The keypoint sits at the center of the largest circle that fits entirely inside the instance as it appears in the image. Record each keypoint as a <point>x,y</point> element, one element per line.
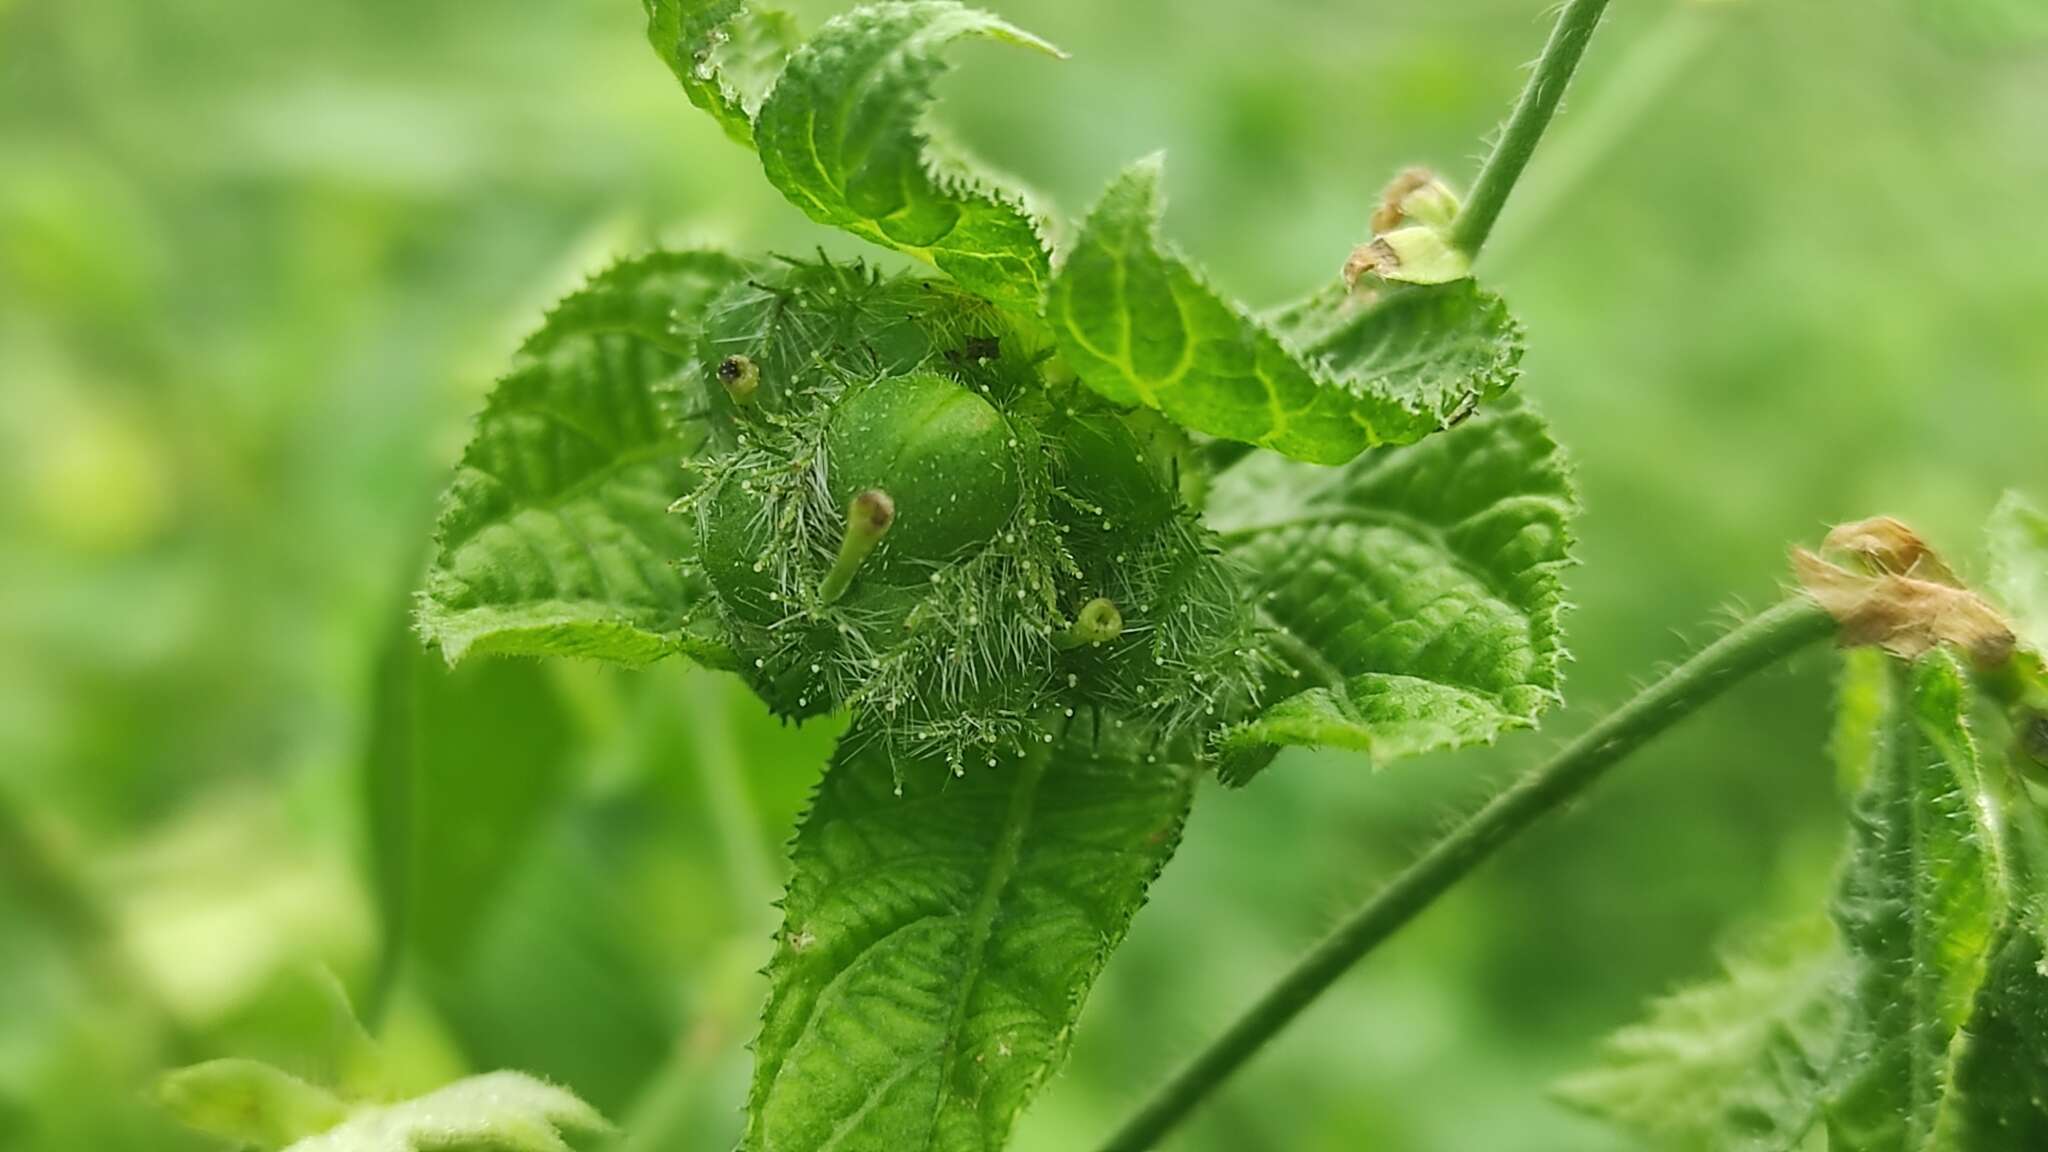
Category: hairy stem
<point>1639,88</point>
<point>1750,648</point>
<point>1526,123</point>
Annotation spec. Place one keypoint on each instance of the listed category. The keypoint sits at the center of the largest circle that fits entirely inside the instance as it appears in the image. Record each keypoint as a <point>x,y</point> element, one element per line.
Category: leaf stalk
<point>1526,123</point>
<point>1752,647</point>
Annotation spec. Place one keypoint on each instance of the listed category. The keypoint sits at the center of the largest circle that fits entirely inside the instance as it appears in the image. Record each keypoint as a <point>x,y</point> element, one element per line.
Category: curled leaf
<point>841,137</point>
<point>1326,380</point>
<point>724,53</point>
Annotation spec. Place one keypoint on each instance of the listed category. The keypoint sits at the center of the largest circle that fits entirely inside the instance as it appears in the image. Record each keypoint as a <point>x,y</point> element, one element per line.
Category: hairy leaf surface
<point>1863,702</point>
<point>1441,349</point>
<point>1997,1100</point>
<point>2001,1068</point>
<point>938,944</point>
<point>263,1107</point>
<point>841,137</point>
<point>1917,907</point>
<point>1735,1065</point>
<point>1415,592</point>
<point>1331,378</point>
<point>724,53</point>
<point>494,1112</point>
<point>555,536</point>
<point>249,1103</point>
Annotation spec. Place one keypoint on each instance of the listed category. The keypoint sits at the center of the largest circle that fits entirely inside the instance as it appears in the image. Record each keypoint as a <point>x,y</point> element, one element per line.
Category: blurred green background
<point>1783,262</point>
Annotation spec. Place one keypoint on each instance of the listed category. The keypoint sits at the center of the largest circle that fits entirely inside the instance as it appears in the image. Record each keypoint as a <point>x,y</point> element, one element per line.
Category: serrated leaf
<point>938,944</point>
<point>2019,567</point>
<point>1999,1097</point>
<point>1997,1102</point>
<point>494,1112</point>
<point>1917,908</point>
<point>841,137</point>
<point>1329,379</point>
<point>1415,592</point>
<point>555,536</point>
<point>1440,349</point>
<point>248,1102</point>
<point>724,53</point>
<point>1735,1065</point>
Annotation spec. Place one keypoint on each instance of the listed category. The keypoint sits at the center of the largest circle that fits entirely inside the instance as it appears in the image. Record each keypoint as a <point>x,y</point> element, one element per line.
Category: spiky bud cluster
<point>905,520</point>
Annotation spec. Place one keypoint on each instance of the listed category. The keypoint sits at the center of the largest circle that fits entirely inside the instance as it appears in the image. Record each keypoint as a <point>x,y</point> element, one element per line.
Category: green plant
<point>1006,514</point>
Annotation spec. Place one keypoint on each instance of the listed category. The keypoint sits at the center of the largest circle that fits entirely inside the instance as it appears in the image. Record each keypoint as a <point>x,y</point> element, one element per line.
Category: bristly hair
<point>967,668</point>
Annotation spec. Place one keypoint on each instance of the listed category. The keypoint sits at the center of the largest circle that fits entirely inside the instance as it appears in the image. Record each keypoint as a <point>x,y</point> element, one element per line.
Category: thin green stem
<point>1750,648</point>
<point>1531,115</point>
<point>1642,82</point>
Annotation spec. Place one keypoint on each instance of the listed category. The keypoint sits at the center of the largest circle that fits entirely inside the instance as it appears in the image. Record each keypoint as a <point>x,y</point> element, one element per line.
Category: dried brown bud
<point>1415,194</point>
<point>1886,545</point>
<point>1904,599</point>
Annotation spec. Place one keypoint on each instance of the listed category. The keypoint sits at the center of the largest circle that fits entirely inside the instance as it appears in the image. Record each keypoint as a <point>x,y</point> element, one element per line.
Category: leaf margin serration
<point>613,303</point>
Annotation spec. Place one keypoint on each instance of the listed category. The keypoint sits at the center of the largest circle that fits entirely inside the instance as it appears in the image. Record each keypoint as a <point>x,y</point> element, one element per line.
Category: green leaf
<point>1331,378</point>
<point>725,53</point>
<point>1735,1065</point>
<point>555,536</point>
<point>494,1112</point>
<point>503,888</point>
<point>1917,907</point>
<point>248,1102</point>
<point>1863,701</point>
<point>938,944</point>
<point>1997,1103</point>
<point>1441,349</point>
<point>1997,1100</point>
<point>2019,574</point>
<point>1414,593</point>
<point>841,137</point>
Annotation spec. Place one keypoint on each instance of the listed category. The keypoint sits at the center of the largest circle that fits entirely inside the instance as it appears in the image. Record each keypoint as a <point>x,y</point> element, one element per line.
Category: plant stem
<point>1636,92</point>
<point>1526,123</point>
<point>1750,648</point>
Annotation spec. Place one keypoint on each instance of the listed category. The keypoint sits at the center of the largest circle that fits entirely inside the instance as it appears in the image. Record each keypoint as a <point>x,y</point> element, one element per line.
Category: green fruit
<point>946,458</point>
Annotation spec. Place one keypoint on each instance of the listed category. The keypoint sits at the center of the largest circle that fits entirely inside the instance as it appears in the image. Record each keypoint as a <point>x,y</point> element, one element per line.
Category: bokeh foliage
<point>258,262</point>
